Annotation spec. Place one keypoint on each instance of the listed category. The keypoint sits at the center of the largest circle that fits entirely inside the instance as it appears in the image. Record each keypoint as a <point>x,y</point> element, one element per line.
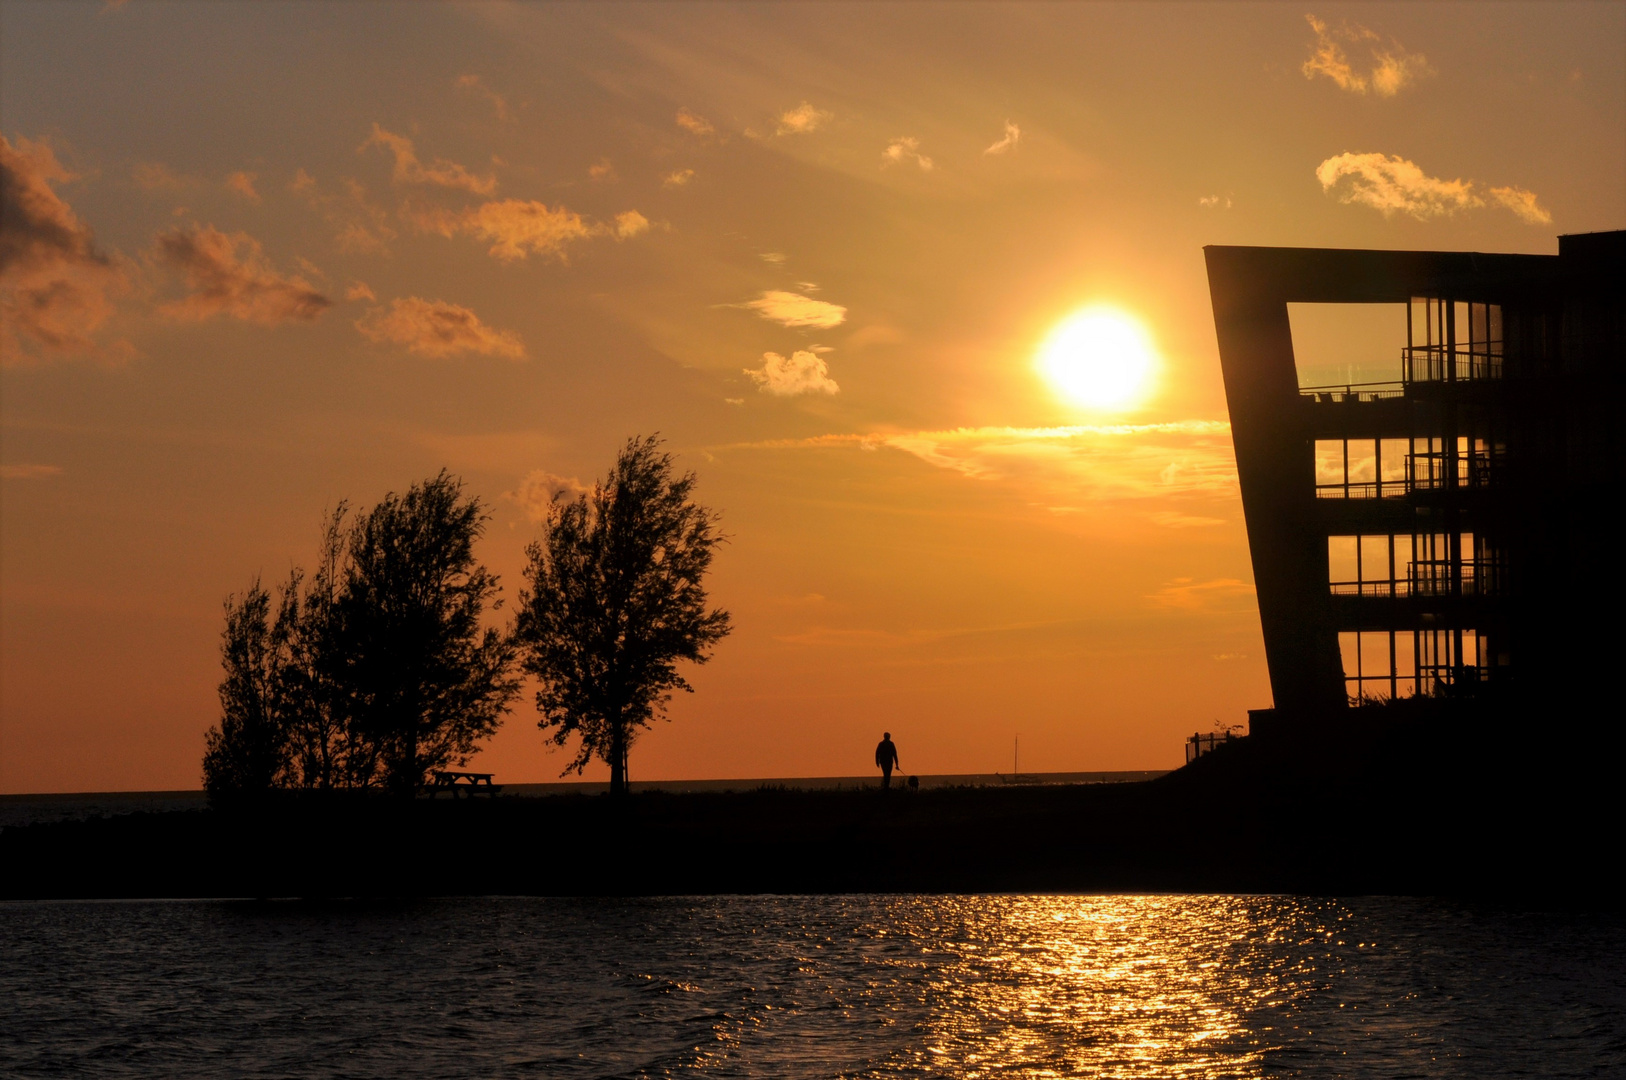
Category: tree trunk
<point>618,760</point>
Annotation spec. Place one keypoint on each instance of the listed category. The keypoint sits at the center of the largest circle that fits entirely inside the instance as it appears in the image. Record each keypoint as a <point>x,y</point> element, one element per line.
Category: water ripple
<point>963,987</point>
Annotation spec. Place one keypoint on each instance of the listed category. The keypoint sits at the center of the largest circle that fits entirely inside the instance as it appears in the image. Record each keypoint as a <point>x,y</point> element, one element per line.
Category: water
<point>1108,986</point>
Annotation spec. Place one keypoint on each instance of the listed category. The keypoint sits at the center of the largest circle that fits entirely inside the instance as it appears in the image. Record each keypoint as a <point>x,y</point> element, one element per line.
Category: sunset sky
<point>259,258</point>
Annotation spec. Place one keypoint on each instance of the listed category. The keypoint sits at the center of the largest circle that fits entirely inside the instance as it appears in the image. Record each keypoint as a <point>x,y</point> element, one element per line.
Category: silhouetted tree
<point>326,747</point>
<point>616,603</point>
<point>423,682</point>
<point>247,753</point>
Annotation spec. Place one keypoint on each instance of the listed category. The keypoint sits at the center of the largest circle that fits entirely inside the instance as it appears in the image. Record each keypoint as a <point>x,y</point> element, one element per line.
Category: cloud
<point>802,372</point>
<point>630,223</point>
<point>1522,203</point>
<point>474,83</point>
<point>1393,184</point>
<point>602,169</point>
<point>1171,519</point>
<point>1392,67</point>
<point>802,120</point>
<point>56,288</point>
<point>440,173</point>
<point>156,176</point>
<point>228,274</point>
<point>28,472</point>
<point>363,226</point>
<point>1212,201</point>
<point>793,309</point>
<point>694,123</point>
<point>437,329</point>
<point>776,257</point>
<point>517,228</point>
<point>905,148</point>
<point>358,290</point>
<point>537,492</point>
<point>1012,137</point>
<point>243,184</point>
<point>678,178</point>
<point>1218,594</point>
<point>1191,458</point>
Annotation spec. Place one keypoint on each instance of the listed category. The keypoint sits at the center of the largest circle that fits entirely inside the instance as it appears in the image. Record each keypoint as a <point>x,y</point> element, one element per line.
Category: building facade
<point>1448,531</point>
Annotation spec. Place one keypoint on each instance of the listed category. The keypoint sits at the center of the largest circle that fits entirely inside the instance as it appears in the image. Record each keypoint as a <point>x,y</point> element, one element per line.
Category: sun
<point>1100,358</point>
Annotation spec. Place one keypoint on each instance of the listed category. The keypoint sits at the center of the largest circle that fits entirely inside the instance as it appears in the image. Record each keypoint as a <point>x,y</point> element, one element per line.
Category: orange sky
<point>278,255</point>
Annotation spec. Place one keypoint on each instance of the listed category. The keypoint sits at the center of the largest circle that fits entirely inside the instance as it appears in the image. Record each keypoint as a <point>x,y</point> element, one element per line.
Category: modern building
<point>1448,531</point>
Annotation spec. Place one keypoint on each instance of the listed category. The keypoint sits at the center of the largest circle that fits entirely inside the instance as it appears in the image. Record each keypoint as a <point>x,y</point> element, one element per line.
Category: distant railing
<point>1442,577</point>
<point>1397,587</point>
<point>1200,744</point>
<point>1382,489</point>
<point>1353,392</point>
<point>1445,363</point>
<point>1474,468</point>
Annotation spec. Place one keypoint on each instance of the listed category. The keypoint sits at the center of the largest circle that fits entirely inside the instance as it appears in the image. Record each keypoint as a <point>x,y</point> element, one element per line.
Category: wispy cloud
<point>1216,594</point>
<point>777,258</point>
<point>537,492</point>
<point>694,123</point>
<point>679,178</point>
<point>517,228</point>
<point>1081,463</point>
<point>242,183</point>
<point>1387,68</point>
<point>228,274</point>
<point>155,176</point>
<point>477,85</point>
<point>794,309</point>
<point>363,226</point>
<point>1395,185</point>
<point>29,472</point>
<point>439,173</point>
<point>802,372</point>
<point>56,288</point>
<point>602,170</point>
<point>630,223</point>
<point>1009,141</point>
<point>1522,203</point>
<point>905,148</point>
<point>1212,202</point>
<point>359,290</point>
<point>801,120</point>
<point>437,329</point>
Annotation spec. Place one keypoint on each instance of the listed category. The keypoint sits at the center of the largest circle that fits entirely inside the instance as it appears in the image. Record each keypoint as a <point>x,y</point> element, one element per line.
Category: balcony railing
<point>1353,392</point>
<point>1431,578</point>
<point>1452,363</point>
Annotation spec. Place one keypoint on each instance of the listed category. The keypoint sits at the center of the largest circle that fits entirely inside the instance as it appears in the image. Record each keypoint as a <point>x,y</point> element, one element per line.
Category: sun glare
<point>1100,358</point>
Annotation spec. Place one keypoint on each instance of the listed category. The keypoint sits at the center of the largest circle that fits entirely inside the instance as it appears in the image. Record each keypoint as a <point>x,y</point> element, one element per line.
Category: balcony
<point>1452,363</point>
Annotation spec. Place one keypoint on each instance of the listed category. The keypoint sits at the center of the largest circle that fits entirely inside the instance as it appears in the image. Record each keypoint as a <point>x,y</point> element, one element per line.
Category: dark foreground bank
<point>1422,810</point>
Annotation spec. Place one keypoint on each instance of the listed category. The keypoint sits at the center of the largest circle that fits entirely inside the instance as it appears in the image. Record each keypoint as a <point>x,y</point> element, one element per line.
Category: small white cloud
<point>902,149</point>
<point>602,169</point>
<point>694,123</point>
<point>776,257</point>
<point>1012,137</point>
<point>678,179</point>
<point>630,223</point>
<point>539,490</point>
<point>794,309</point>
<point>1222,202</point>
<point>1393,184</point>
<point>733,401</point>
<point>802,372</point>
<point>359,290</point>
<point>802,119</point>
<point>1390,184</point>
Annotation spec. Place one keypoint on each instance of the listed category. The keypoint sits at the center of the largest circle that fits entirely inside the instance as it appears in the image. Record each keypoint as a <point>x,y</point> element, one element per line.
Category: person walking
<point>886,756</point>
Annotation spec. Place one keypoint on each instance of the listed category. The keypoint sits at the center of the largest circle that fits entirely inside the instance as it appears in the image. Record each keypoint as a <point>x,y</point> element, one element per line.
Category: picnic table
<point>458,782</point>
